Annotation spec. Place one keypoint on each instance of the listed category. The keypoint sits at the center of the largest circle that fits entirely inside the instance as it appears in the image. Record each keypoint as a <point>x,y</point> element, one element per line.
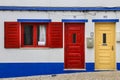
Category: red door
<point>74,46</point>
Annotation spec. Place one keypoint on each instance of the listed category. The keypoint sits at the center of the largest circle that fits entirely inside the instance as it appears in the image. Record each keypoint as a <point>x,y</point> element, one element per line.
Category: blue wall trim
<point>28,8</point>
<point>31,69</point>
<point>105,20</point>
<point>74,20</point>
<point>118,66</point>
<point>34,20</point>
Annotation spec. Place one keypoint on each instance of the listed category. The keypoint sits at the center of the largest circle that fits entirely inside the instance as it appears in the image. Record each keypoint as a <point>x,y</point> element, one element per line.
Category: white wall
<point>62,3</point>
<point>47,54</point>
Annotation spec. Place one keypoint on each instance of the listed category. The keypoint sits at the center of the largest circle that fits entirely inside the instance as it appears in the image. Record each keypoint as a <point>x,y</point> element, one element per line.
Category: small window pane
<point>74,38</point>
<point>104,37</point>
<point>41,35</point>
<point>28,35</point>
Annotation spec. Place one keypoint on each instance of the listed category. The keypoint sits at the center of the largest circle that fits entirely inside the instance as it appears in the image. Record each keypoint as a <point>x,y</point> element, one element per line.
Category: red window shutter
<point>11,35</point>
<point>55,35</point>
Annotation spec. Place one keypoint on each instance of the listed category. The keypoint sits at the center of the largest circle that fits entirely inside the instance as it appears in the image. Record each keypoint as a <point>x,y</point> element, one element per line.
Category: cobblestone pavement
<point>103,75</point>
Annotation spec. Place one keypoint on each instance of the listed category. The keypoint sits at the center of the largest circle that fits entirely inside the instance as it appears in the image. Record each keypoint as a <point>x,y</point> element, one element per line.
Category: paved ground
<point>109,75</point>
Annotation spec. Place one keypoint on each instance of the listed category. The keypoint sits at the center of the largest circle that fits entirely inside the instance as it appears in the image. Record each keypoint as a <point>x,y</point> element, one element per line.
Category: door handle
<point>112,48</point>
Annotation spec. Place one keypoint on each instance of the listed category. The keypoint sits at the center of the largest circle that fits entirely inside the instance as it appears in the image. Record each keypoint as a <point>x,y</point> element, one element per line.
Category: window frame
<point>35,37</point>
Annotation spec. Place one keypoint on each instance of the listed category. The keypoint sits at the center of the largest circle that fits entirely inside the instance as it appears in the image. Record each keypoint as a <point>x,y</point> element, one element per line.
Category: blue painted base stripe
<point>28,8</point>
<point>118,66</point>
<point>105,20</point>
<point>30,69</point>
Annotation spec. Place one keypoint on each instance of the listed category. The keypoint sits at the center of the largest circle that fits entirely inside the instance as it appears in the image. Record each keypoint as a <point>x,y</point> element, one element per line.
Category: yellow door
<point>105,46</point>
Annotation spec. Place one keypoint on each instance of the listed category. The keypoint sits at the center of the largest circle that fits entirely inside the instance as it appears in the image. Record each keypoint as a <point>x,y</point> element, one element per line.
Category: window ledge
<point>34,48</point>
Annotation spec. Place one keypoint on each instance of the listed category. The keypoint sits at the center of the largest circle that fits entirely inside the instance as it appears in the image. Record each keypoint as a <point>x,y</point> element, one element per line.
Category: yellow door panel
<point>105,46</point>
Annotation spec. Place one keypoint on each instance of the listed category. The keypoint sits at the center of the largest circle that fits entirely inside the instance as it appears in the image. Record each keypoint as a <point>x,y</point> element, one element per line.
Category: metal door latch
<point>112,48</point>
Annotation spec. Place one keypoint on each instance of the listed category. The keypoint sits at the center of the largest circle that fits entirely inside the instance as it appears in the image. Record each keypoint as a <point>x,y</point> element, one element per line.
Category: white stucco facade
<point>37,60</point>
<point>61,3</point>
<point>52,54</point>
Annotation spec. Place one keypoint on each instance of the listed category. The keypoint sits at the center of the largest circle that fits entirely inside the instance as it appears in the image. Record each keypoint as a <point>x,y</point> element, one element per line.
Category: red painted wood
<point>11,35</point>
<point>55,35</point>
<point>35,35</point>
<point>74,52</point>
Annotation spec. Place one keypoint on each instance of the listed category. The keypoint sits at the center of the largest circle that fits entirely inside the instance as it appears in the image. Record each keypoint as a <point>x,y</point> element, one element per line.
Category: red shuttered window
<point>11,35</point>
<point>33,35</point>
<point>55,35</point>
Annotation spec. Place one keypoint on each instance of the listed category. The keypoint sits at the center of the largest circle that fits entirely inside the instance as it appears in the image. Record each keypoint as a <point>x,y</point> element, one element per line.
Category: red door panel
<point>74,46</point>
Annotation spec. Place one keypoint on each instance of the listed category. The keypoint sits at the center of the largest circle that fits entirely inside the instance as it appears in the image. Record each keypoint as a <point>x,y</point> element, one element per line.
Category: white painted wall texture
<point>49,54</point>
<point>62,3</point>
